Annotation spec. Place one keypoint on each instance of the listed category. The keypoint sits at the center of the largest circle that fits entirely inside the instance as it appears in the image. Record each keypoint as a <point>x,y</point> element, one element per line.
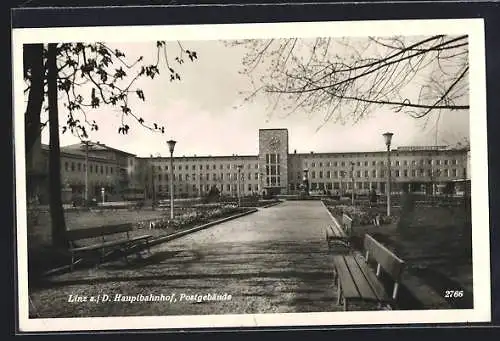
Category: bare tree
<point>348,78</point>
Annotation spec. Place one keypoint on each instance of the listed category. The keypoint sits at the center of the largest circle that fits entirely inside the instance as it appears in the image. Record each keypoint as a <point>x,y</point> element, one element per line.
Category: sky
<point>206,114</point>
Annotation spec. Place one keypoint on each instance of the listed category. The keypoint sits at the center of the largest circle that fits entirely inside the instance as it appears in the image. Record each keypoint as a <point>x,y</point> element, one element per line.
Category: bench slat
<point>338,230</point>
<point>93,232</point>
<point>392,264</point>
<point>377,287</point>
<point>101,245</point>
<point>365,290</point>
<point>349,288</point>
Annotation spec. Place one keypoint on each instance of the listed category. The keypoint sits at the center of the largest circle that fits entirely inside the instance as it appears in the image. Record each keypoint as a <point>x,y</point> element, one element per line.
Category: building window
<point>321,174</point>
<point>358,163</point>
<point>313,164</point>
<point>366,173</point>
<point>397,173</point>
<point>374,173</point>
<point>366,163</point>
<point>159,177</point>
<point>110,169</point>
<point>321,164</point>
<point>328,174</point>
<point>214,177</point>
<point>343,164</point>
<point>328,164</point>
<point>335,164</point>
<point>256,176</point>
<point>397,163</point>
<point>413,162</point>
<point>335,174</point>
<point>249,187</point>
<point>91,168</point>
<point>413,173</point>
<point>454,172</point>
<point>454,162</point>
<point>66,166</point>
<point>405,173</point>
<point>102,169</point>
<point>358,174</point>
<point>313,175</point>
<point>446,162</point>
<point>228,187</point>
<point>72,166</point>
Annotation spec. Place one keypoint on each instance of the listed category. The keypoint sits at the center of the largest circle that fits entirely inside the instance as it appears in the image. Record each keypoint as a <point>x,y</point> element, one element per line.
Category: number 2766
<point>453,293</point>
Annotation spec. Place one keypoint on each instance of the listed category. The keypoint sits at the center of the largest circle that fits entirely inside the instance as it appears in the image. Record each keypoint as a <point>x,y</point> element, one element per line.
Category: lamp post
<point>388,138</point>
<point>342,174</point>
<point>171,146</point>
<point>353,183</point>
<point>238,184</point>
<point>306,181</point>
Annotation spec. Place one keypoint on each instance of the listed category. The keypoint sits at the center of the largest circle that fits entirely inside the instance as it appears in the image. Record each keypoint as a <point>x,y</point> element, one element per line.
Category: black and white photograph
<point>249,175</point>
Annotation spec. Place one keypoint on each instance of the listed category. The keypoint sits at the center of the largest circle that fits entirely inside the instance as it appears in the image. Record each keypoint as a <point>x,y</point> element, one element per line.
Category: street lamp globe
<point>171,145</point>
<point>388,138</point>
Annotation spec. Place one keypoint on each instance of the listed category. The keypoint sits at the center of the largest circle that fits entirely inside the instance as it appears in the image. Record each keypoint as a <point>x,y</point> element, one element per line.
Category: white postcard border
<point>478,128</point>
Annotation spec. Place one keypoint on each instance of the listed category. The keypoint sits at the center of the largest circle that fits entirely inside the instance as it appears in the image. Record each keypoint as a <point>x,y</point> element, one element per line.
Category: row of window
<point>80,167</point>
<point>397,173</point>
<point>201,167</point>
<point>194,188</point>
<point>206,176</point>
<point>382,162</point>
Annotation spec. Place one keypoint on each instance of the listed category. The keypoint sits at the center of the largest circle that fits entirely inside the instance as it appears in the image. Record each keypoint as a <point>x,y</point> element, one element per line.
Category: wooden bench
<point>347,224</point>
<point>356,281</point>
<point>336,235</point>
<point>105,244</point>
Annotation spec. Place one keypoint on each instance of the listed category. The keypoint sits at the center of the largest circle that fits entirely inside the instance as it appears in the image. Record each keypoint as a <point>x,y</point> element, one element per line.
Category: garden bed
<point>361,215</point>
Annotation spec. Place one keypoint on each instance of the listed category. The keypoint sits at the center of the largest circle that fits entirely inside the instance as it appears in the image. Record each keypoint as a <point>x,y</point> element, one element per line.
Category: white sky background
<point>206,114</point>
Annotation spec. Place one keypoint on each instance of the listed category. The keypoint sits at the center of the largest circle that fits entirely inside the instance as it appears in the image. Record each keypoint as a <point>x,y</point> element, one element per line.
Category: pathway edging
<point>176,235</point>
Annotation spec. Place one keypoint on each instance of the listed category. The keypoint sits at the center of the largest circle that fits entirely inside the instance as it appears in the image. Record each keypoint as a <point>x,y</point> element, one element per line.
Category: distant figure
<point>373,197</point>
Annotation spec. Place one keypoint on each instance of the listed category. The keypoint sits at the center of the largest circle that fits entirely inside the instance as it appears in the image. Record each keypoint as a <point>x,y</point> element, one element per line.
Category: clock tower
<point>273,161</point>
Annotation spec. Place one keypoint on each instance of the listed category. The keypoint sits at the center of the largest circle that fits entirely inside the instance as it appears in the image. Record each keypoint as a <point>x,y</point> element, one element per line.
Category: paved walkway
<point>272,261</point>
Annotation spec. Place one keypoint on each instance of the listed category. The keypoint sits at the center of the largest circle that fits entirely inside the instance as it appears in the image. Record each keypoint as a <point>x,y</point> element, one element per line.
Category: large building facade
<point>275,170</point>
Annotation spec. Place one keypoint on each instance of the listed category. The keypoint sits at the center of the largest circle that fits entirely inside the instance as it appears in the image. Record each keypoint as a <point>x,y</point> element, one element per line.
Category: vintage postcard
<point>251,175</point>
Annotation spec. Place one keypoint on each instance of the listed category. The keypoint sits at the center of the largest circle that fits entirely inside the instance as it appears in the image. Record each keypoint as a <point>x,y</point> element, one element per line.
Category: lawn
<point>42,256</point>
<point>436,244</point>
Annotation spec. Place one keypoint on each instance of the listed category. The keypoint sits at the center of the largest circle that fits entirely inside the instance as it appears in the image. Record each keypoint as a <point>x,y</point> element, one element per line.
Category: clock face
<point>274,143</point>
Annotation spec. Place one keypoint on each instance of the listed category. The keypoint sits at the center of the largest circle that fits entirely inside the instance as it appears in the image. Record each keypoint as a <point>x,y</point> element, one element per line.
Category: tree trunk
<point>33,61</point>
<point>56,209</point>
